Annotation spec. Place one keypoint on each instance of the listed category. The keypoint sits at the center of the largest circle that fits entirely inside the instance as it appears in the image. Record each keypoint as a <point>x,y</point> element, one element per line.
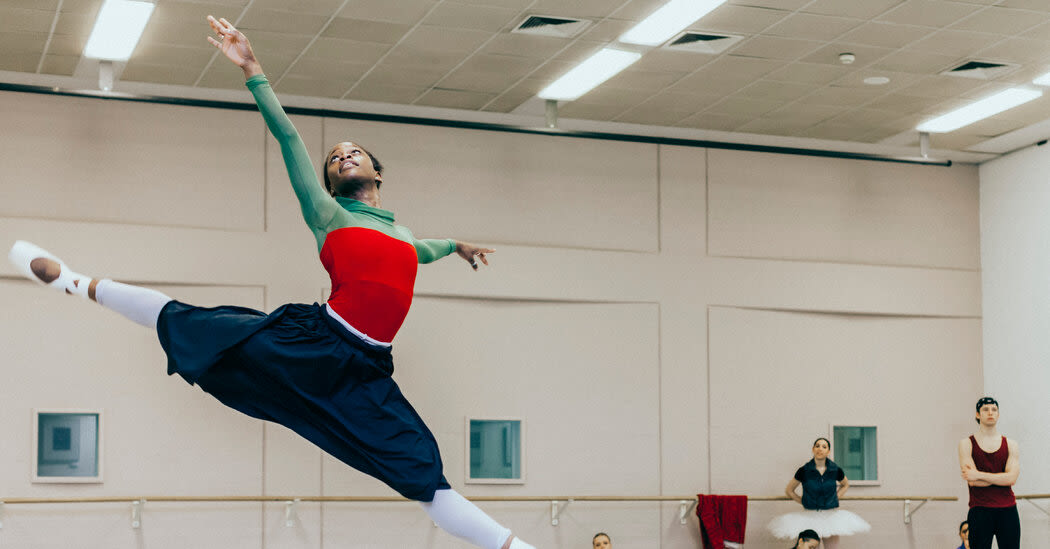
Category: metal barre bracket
<point>556,510</point>
<point>136,513</point>
<point>1,515</point>
<point>684,507</point>
<point>290,515</point>
<point>909,510</point>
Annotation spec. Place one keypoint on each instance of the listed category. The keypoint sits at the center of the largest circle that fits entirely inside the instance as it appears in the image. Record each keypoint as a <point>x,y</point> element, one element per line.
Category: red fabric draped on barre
<point>722,519</point>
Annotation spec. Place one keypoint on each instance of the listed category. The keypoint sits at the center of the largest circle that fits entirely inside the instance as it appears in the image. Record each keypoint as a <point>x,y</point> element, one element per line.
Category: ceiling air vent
<point>545,25</point>
<point>703,42</point>
<point>981,70</point>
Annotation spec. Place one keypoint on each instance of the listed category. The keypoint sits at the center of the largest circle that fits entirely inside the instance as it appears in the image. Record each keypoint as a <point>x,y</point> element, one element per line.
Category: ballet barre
<point>558,503</point>
<point>1030,497</point>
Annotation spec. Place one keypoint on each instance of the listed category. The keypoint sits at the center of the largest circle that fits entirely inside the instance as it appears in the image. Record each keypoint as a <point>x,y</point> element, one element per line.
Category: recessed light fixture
<point>1043,80</point>
<point>593,71</point>
<point>117,30</point>
<point>876,80</point>
<point>668,20</point>
<point>979,110</point>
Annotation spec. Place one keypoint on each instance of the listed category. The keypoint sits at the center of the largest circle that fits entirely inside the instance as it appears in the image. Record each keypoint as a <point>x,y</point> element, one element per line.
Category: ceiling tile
<point>281,21</point>
<point>488,73</point>
<point>777,4</point>
<point>410,57</point>
<point>674,61</point>
<point>551,70</point>
<point>525,45</point>
<point>22,61</point>
<point>929,13</point>
<point>774,47</point>
<point>904,104</point>
<point>714,121</point>
<point>838,132</point>
<point>615,96</point>
<point>1034,5</point>
<point>1040,32</point>
<point>62,65</point>
<point>172,74</point>
<point>22,42</point>
<point>588,9</point>
<point>955,43</point>
<point>744,106</point>
<point>366,91</point>
<point>345,74</point>
<point>745,19</point>
<point>405,12</point>
<point>769,126</point>
<point>579,50</point>
<point>841,96</point>
<point>864,117</point>
<point>776,91</point>
<point>425,36</point>
<point>268,43</point>
<point>607,30</point>
<point>704,82</point>
<point>809,73</point>
<point>589,111</point>
<point>813,27</point>
<point>304,85</point>
<point>898,80</point>
<point>654,117</point>
<point>66,45</point>
<point>22,20</point>
<point>851,8</point>
<point>465,16</point>
<point>43,5</point>
<point>636,10</point>
<point>803,112</point>
<point>316,7</point>
<point>366,31</point>
<point>515,96</point>
<point>886,35</point>
<point>81,24</point>
<point>829,54</point>
<point>917,62</point>
<point>365,53</point>
<point>1017,50</point>
<point>643,80</point>
<point>389,75</point>
<point>1002,21</point>
<point>163,54</point>
<point>673,101</point>
<point>515,4</point>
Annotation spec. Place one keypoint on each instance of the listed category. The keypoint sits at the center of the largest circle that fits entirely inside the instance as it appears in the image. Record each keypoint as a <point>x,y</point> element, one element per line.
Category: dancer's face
<point>602,542</point>
<point>964,535</point>
<point>988,415</point>
<point>821,449</point>
<point>349,166</point>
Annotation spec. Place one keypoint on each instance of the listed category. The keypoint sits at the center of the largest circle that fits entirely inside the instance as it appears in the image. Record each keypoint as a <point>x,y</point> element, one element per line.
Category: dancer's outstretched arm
<point>317,206</point>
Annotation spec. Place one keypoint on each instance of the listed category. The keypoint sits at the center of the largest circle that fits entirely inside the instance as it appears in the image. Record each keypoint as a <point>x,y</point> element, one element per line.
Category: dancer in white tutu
<point>823,482</point>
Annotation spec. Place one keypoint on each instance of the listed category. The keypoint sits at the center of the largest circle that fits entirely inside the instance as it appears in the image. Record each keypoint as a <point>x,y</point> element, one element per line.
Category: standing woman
<point>323,371</point>
<point>823,482</point>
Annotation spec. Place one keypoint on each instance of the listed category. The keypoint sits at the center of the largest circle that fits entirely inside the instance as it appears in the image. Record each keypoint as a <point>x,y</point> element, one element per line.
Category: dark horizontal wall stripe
<point>396,119</point>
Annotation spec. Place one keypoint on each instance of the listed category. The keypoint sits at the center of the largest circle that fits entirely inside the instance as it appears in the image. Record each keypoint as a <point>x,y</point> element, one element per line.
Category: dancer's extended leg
<point>461,518</point>
<point>140,305</point>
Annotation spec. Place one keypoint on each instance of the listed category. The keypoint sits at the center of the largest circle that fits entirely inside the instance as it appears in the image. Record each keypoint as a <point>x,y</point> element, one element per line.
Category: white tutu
<point>830,522</point>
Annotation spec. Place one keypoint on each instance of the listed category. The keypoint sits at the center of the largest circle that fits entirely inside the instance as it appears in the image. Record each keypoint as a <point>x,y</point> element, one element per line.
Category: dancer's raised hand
<point>234,45</point>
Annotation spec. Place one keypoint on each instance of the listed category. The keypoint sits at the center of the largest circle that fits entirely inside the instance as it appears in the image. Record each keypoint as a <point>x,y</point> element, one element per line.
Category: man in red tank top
<point>989,463</point>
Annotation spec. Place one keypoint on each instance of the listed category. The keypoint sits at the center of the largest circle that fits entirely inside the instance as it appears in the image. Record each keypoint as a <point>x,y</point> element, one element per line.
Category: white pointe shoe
<point>38,265</point>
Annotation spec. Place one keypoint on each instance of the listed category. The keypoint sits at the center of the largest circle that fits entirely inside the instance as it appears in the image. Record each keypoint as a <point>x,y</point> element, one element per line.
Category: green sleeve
<point>429,250</point>
<point>317,206</point>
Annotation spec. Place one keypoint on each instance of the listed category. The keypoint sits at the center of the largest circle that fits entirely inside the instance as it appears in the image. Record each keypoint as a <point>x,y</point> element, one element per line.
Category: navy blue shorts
<point>302,369</point>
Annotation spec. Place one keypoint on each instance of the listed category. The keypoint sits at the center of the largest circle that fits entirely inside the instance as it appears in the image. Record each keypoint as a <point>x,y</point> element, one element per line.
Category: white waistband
<point>355,331</point>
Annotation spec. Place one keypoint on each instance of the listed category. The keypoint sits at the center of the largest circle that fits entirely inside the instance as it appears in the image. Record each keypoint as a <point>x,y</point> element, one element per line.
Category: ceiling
<point>783,79</point>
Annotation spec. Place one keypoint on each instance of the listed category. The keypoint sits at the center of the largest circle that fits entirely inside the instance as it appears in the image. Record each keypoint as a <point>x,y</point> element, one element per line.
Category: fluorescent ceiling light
<point>1043,80</point>
<point>593,71</point>
<point>978,110</point>
<point>667,21</point>
<point>117,30</point>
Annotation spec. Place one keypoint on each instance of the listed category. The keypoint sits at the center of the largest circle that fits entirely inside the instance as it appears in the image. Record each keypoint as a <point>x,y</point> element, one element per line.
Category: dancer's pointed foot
<point>36,264</point>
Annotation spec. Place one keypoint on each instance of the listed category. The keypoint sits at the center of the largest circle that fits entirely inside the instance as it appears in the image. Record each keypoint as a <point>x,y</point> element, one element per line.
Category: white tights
<point>140,305</point>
